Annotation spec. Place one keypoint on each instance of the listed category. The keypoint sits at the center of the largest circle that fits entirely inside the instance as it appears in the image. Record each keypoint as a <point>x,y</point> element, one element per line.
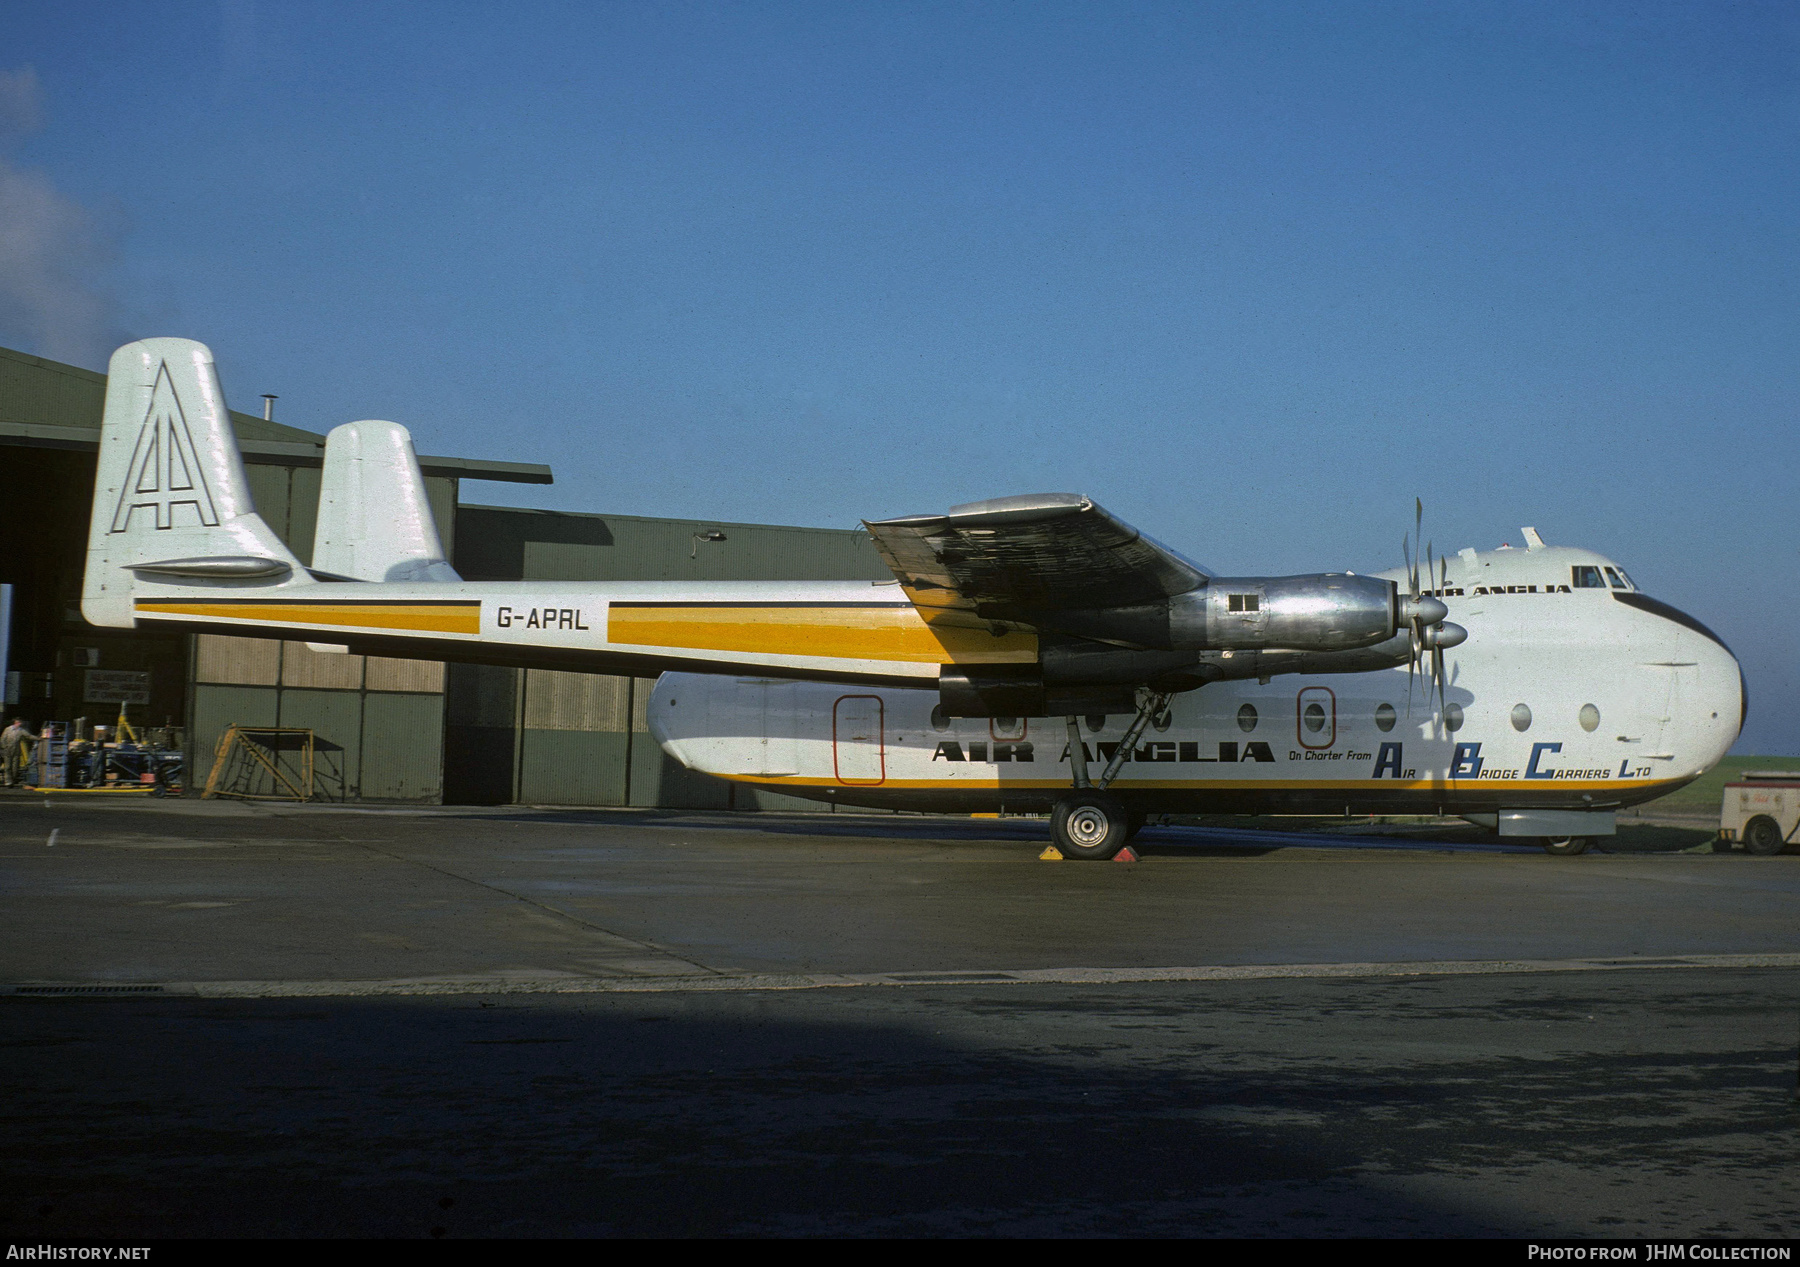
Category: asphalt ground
<point>494,1023</point>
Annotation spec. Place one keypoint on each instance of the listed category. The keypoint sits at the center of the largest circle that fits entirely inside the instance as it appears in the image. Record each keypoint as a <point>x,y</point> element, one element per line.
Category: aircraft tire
<point>1089,825</point>
<point>1566,846</point>
<point>1762,836</point>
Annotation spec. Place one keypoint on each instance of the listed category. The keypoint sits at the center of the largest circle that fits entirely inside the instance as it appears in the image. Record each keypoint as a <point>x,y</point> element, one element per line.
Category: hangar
<point>387,729</point>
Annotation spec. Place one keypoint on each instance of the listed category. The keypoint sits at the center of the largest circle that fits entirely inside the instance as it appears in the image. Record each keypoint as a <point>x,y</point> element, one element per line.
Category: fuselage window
<point>1385,717</point>
<point>1247,718</point>
<point>940,720</point>
<point>1521,717</point>
<point>1617,578</point>
<point>1587,577</point>
<point>1453,717</point>
<point>1096,722</point>
<point>1314,717</point>
<point>1589,716</point>
<point>1243,602</point>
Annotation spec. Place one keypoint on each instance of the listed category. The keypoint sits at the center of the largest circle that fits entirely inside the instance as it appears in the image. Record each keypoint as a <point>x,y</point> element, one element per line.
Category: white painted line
<point>724,982</point>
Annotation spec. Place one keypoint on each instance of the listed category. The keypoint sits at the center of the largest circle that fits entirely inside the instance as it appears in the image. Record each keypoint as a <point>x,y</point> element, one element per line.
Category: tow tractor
<point>1762,809</point>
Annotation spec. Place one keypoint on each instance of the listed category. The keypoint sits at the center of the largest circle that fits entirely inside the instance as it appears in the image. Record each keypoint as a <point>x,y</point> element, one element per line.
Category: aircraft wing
<point>1004,558</point>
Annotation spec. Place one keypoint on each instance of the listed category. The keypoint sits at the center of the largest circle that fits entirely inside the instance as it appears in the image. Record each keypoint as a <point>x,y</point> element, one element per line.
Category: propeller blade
<point>1418,532</point>
<point>1415,623</point>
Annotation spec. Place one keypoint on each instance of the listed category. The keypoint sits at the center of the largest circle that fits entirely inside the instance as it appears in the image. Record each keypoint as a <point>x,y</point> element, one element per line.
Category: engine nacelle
<point>1331,611</point>
<point>1075,676</point>
<point>1072,676</point>
<point>1328,612</point>
<point>996,692</point>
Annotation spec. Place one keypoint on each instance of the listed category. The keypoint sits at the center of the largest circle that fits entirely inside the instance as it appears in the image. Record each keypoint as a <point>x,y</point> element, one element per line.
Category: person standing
<point>12,750</point>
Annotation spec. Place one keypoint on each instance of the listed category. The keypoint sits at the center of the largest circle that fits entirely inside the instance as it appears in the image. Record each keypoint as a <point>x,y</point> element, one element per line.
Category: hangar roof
<point>48,405</point>
<point>504,543</point>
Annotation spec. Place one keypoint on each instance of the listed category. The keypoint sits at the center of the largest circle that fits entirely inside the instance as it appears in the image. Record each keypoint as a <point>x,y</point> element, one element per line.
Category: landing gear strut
<point>1089,823</point>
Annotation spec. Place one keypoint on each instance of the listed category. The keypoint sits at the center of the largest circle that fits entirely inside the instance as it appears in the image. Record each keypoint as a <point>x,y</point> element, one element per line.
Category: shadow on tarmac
<point>1166,841</point>
<point>1117,1111</point>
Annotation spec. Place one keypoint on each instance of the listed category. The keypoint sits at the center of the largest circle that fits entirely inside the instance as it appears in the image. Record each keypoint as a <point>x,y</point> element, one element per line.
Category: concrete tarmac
<point>491,1023</point>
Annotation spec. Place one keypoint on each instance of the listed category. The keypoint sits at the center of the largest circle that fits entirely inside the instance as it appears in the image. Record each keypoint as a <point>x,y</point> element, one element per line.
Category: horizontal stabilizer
<point>244,567</point>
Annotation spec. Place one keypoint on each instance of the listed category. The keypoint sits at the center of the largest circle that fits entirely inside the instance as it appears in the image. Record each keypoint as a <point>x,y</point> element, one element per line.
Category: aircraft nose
<point>1708,703</point>
<point>1724,698</point>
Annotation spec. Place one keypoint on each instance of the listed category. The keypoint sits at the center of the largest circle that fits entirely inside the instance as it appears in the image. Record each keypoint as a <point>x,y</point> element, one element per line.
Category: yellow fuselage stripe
<point>405,617</point>
<point>839,633</point>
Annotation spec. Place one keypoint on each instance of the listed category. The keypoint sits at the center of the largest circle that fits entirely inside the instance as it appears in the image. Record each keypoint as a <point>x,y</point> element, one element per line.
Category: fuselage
<point>1572,691</point>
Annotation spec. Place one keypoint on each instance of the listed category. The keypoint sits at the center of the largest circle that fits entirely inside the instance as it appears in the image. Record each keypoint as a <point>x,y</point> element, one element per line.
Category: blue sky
<point>1252,275</point>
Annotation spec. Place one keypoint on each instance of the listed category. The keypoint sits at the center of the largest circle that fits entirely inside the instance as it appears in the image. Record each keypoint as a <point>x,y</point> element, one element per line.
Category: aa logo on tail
<point>165,472</point>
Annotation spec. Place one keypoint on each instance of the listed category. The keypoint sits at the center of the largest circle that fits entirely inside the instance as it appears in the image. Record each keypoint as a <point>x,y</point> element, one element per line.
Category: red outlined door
<point>858,751</point>
<point>1315,717</point>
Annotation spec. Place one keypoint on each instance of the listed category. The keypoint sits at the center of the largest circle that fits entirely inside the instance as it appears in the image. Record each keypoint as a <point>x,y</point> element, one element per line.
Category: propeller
<point>1437,642</point>
<point>1425,614</point>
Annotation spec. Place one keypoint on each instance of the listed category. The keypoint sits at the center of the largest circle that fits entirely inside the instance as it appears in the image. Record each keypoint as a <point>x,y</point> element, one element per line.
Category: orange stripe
<point>1235,785</point>
<point>412,617</point>
<point>839,633</point>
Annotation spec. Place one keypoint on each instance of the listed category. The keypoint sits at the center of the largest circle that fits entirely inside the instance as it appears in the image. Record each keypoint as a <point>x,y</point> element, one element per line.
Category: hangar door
<point>856,740</point>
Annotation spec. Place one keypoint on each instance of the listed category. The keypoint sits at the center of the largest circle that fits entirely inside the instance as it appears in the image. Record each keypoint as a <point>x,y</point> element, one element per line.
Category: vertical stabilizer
<point>375,522</point>
<point>171,503</point>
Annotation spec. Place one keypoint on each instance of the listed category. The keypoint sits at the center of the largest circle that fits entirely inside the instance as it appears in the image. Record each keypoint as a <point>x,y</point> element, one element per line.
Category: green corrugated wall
<point>562,741</point>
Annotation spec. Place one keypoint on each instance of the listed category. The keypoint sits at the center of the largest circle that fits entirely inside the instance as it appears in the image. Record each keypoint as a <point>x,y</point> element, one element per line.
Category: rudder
<point>375,521</point>
<point>171,500</point>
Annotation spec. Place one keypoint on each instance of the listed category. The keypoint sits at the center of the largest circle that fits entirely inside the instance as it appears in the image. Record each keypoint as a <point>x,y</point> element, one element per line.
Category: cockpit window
<point>1617,578</point>
<point>1586,577</point>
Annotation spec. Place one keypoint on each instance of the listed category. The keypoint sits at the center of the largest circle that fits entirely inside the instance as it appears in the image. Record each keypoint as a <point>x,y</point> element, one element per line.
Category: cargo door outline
<point>1680,678</point>
<point>1326,699</point>
<point>858,745</point>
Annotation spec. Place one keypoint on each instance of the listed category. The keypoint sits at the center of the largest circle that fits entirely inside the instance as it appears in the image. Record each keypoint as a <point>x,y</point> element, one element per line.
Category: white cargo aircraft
<point>1023,643</point>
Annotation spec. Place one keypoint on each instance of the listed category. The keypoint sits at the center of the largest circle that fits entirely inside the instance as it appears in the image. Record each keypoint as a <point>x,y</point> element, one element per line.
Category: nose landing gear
<point>1089,822</point>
